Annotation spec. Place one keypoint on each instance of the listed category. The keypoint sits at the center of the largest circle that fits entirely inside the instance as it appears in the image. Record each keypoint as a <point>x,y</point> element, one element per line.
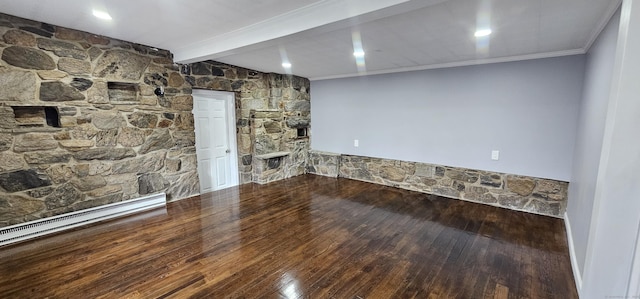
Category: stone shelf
<point>272,155</point>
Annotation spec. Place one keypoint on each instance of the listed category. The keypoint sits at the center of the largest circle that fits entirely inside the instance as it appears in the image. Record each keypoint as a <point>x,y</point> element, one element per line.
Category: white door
<point>214,116</point>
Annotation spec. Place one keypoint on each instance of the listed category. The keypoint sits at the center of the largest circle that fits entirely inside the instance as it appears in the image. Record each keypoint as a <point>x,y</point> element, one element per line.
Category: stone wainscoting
<point>324,163</point>
<point>522,193</point>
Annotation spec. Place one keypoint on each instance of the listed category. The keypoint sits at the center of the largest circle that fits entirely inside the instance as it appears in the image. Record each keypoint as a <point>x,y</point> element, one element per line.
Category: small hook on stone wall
<point>159,91</point>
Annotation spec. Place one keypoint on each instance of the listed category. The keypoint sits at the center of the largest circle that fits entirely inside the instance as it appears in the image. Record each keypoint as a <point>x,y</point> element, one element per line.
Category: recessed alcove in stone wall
<point>123,93</point>
<point>36,116</point>
<point>270,167</point>
<point>302,132</point>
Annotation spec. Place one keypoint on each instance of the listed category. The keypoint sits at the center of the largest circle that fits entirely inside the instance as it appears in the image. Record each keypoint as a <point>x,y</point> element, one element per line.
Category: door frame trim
<point>230,106</point>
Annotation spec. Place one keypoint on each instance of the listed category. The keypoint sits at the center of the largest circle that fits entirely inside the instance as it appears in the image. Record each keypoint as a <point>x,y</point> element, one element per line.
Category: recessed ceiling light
<point>101,15</point>
<point>483,32</point>
<point>286,65</point>
<point>358,54</point>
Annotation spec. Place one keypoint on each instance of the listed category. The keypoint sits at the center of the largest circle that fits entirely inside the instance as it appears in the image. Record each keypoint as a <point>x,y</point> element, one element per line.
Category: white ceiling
<point>317,36</point>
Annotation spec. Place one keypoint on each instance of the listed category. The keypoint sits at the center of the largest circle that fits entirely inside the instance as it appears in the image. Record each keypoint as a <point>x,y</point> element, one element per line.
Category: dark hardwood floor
<point>306,237</point>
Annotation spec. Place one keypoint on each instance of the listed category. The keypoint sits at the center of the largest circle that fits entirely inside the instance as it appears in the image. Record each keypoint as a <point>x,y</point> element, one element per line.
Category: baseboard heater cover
<point>45,226</point>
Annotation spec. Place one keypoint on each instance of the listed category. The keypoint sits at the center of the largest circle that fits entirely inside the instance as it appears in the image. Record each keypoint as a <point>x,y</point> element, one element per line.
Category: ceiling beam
<point>321,16</point>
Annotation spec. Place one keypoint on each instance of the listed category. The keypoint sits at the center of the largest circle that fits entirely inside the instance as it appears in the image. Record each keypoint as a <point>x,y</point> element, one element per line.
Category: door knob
<point>228,151</point>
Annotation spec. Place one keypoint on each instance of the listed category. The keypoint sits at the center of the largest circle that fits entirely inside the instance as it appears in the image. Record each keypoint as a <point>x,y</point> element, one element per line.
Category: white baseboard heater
<point>45,226</point>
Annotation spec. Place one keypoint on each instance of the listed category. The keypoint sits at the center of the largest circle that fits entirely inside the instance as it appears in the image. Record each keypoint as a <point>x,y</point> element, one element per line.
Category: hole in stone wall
<point>302,132</point>
<point>51,116</point>
<point>273,163</point>
<point>123,93</point>
<point>36,116</point>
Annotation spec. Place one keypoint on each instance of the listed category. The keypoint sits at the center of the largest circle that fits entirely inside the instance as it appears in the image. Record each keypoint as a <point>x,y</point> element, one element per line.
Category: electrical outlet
<point>495,155</point>
<point>356,143</point>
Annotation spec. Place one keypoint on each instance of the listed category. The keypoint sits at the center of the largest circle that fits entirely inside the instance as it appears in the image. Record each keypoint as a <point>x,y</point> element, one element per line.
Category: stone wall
<point>534,195</point>
<point>324,163</point>
<point>271,109</point>
<point>80,125</point>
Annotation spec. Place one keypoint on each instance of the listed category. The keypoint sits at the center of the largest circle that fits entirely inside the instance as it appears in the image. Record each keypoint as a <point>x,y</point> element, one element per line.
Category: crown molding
<point>457,64</point>
<point>613,7</point>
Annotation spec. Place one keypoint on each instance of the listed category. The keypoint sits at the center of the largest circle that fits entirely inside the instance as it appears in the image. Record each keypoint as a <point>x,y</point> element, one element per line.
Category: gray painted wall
<point>528,110</point>
<point>593,113</point>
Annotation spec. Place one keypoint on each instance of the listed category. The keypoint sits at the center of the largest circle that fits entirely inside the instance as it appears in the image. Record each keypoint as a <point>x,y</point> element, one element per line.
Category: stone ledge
<point>324,153</point>
<point>272,155</point>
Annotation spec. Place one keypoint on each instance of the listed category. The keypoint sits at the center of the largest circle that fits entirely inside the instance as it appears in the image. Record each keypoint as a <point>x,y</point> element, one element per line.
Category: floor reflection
<point>288,287</point>
<point>306,237</point>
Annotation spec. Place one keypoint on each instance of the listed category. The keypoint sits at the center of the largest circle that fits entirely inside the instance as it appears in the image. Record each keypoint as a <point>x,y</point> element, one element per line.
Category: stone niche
<point>273,118</point>
<point>36,116</point>
<point>80,125</point>
<point>122,93</point>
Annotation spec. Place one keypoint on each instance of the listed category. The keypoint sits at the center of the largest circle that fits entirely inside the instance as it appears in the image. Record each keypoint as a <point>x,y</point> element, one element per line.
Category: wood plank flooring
<point>306,237</point>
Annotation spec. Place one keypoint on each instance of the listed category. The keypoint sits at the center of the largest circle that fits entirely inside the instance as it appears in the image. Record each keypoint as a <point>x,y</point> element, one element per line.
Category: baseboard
<point>324,175</point>
<point>181,198</point>
<point>572,254</point>
<point>45,226</point>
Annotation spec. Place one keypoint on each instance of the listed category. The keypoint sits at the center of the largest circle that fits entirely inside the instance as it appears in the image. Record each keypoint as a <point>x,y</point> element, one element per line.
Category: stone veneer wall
<point>113,139</point>
<point>534,195</point>
<point>270,108</point>
<point>324,163</point>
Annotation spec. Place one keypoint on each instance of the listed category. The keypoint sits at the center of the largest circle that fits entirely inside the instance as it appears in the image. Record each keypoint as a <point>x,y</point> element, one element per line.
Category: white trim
<point>458,64</point>
<point>611,10</point>
<point>577,275</point>
<point>593,266</point>
<point>45,226</point>
<point>232,135</point>
<point>179,199</point>
<point>633,291</point>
